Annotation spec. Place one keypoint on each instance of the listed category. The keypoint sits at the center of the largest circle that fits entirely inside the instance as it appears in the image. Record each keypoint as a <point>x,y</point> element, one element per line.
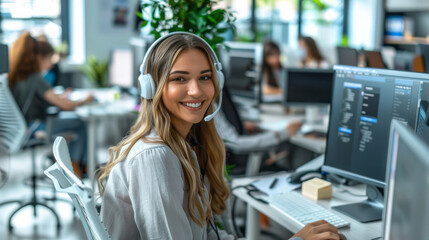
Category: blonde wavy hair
<point>154,115</point>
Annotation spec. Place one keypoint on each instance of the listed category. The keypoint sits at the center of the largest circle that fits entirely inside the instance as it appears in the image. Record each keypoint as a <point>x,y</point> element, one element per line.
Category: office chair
<point>418,64</point>
<point>66,181</point>
<point>423,50</point>
<point>247,161</point>
<point>14,136</point>
<point>374,59</point>
<point>347,56</point>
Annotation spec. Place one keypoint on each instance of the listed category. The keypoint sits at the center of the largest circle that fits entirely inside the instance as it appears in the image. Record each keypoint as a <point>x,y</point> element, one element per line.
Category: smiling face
<point>189,89</point>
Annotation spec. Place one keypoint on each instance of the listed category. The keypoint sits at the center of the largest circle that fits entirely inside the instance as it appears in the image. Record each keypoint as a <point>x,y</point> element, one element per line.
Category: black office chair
<point>14,136</point>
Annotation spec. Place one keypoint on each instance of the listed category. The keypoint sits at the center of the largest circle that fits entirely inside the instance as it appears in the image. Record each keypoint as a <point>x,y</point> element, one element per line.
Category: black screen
<point>308,86</point>
<point>364,102</point>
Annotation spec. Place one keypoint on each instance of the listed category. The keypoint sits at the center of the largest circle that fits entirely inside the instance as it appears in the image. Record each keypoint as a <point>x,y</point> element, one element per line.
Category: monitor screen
<point>364,102</point>
<point>307,86</point>
<point>242,63</point>
<point>121,68</point>
<point>407,199</point>
<point>395,27</point>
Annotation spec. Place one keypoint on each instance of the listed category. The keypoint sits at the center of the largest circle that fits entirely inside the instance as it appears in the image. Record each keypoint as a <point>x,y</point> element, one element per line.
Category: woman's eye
<point>206,78</point>
<point>178,79</point>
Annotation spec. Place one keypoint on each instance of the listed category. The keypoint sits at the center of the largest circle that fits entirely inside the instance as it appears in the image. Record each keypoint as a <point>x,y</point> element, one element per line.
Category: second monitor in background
<point>242,65</point>
<point>121,70</point>
<point>311,88</point>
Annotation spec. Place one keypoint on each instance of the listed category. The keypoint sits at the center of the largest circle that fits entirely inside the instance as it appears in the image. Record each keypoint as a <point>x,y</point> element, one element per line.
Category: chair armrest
<point>52,111</point>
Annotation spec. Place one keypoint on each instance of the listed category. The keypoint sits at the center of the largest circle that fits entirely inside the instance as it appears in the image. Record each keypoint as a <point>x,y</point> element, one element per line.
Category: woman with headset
<point>165,179</point>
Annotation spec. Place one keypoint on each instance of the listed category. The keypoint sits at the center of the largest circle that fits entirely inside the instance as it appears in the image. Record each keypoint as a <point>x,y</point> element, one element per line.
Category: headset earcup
<point>147,86</point>
<point>221,79</point>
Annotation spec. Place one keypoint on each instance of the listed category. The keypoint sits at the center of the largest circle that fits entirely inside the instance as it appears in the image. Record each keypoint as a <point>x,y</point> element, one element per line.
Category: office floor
<point>25,225</point>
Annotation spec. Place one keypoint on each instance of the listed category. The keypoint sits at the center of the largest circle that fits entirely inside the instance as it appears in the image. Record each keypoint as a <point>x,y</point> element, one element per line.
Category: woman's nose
<point>194,87</point>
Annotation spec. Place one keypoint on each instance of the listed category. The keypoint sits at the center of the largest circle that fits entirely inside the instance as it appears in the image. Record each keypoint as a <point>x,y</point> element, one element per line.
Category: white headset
<point>147,85</point>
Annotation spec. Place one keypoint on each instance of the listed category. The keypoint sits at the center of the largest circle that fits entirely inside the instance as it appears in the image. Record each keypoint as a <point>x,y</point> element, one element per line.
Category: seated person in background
<point>165,180</point>
<point>310,55</point>
<point>243,135</point>
<point>29,59</point>
<point>53,74</point>
<point>271,67</point>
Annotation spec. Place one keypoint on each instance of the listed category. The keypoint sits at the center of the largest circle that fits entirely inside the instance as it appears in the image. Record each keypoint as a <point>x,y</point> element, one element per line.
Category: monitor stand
<point>368,211</point>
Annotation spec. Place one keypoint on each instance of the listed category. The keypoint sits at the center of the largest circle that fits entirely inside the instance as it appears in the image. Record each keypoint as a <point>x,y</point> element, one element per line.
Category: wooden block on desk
<point>317,188</point>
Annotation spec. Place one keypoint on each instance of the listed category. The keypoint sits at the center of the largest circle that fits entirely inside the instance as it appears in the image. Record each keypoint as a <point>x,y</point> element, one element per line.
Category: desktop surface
<point>355,231</point>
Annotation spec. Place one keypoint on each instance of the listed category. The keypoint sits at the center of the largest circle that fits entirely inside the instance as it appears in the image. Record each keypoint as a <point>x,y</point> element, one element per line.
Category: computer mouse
<point>299,177</point>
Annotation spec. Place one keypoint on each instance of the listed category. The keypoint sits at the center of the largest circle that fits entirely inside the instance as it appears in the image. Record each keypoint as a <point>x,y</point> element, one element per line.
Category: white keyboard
<point>304,211</point>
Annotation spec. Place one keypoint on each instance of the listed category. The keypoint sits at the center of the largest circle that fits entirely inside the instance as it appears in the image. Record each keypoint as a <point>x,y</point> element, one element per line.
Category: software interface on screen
<point>364,103</point>
<point>308,86</point>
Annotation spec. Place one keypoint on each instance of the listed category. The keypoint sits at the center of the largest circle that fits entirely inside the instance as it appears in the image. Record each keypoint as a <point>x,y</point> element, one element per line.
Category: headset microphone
<point>211,116</point>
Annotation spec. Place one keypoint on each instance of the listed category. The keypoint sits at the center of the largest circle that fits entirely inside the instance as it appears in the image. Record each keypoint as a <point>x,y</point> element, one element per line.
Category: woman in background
<point>310,55</point>
<point>29,60</point>
<point>272,67</point>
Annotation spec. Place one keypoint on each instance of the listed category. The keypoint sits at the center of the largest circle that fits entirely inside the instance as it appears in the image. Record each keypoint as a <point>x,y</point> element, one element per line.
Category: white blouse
<point>145,197</point>
<point>238,142</point>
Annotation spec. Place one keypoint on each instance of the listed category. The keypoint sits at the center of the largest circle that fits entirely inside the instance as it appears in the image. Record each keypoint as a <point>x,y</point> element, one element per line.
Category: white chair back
<point>13,129</point>
<point>65,180</point>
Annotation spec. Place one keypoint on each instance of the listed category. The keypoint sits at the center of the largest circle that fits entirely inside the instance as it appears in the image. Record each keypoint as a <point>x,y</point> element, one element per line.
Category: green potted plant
<point>200,17</point>
<point>96,71</point>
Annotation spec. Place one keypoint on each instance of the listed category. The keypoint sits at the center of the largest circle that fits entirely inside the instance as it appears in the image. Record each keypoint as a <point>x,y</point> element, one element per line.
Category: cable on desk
<point>250,189</point>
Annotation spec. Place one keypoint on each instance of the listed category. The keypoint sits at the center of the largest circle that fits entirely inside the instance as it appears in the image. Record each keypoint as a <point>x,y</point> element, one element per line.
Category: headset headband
<point>217,64</point>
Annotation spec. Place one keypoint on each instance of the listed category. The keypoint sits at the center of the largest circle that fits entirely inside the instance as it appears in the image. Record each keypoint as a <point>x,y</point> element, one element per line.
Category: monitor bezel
<point>399,130</point>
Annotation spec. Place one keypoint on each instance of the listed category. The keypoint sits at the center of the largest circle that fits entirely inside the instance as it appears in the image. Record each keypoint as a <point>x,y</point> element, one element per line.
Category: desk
<point>92,114</point>
<point>274,114</point>
<point>356,230</point>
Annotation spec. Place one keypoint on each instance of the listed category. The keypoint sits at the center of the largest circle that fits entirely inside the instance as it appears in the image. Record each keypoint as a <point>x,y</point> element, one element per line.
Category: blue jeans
<point>75,127</point>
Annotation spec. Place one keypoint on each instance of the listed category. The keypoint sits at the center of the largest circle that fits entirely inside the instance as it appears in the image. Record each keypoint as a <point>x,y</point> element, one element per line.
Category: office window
<point>323,21</point>
<point>274,19</point>
<point>39,16</point>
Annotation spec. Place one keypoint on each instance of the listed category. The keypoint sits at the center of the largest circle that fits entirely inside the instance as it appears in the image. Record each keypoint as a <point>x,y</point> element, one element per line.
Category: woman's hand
<point>293,127</point>
<point>320,230</point>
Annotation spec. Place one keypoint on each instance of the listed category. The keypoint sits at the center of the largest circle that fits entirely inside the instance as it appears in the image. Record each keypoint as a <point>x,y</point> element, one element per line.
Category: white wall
<point>100,33</point>
<point>407,5</point>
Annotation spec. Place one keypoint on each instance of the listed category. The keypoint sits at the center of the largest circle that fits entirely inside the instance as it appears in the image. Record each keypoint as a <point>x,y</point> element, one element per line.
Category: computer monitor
<point>121,68</point>
<point>406,214</point>
<point>364,102</point>
<point>4,59</point>
<point>347,56</point>
<point>242,64</point>
<point>307,87</point>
